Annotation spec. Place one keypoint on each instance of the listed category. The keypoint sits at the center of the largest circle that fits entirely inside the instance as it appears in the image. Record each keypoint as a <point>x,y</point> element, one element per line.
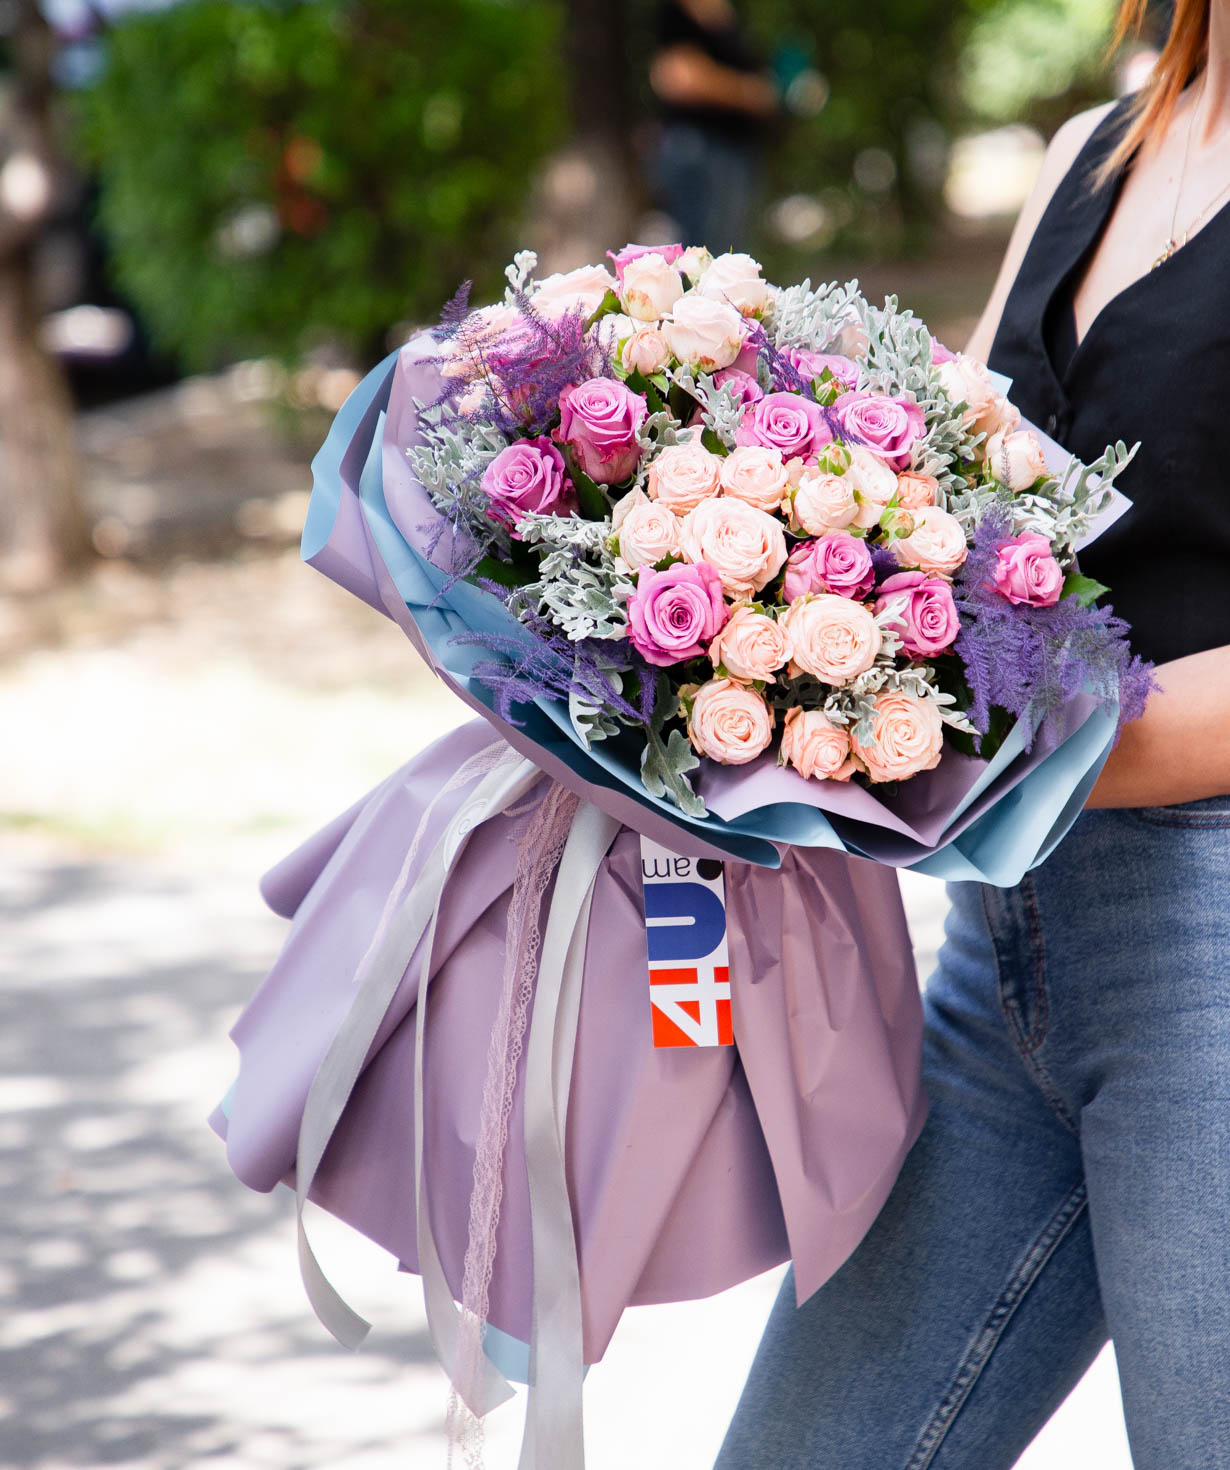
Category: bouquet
<point>743,582</point>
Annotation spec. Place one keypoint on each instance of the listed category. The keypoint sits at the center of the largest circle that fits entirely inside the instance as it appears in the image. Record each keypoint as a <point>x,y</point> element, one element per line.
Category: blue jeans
<point>1072,1181</point>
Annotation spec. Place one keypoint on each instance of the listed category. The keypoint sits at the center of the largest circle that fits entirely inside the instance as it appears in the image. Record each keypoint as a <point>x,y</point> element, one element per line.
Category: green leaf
<point>1084,589</point>
<point>712,443</point>
<point>491,569</point>
<point>608,306</point>
<point>681,403</point>
<point>594,504</point>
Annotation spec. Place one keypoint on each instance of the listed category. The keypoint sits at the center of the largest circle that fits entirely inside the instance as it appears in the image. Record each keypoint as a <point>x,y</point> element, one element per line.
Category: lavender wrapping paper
<point>370,526</point>
<point>688,1170</point>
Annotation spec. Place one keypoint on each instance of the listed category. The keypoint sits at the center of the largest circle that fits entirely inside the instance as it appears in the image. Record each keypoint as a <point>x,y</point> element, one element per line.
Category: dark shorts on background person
<point>706,182</point>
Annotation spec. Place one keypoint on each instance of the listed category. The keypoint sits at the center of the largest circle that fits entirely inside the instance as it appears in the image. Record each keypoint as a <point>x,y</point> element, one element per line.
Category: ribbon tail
<point>554,1438</point>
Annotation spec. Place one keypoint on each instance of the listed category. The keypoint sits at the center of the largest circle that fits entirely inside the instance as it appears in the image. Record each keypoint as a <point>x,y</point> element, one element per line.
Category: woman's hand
<point>1179,749</point>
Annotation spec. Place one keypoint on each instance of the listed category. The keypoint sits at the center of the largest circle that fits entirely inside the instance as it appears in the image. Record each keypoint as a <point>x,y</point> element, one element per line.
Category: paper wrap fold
<point>688,1170</point>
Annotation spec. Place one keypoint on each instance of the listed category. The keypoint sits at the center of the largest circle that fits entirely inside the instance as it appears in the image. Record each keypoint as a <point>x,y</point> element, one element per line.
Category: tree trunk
<point>43,533</point>
<point>590,192</point>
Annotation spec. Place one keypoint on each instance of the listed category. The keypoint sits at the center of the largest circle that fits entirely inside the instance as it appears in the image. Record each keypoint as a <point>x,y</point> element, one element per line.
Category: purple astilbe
<point>883,561</point>
<point>455,312</point>
<point>555,667</point>
<point>783,374</point>
<point>1032,661</point>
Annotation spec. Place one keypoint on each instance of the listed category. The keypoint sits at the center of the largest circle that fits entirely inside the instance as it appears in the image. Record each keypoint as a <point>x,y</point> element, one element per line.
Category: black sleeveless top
<point>1154,366</point>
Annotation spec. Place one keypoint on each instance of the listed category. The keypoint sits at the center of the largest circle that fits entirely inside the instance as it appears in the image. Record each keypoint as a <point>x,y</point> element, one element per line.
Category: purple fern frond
<point>555,667</point>
<point>1032,661</point>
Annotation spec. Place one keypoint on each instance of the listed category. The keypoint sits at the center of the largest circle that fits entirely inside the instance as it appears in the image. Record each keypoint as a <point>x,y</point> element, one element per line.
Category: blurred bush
<point>279,174</point>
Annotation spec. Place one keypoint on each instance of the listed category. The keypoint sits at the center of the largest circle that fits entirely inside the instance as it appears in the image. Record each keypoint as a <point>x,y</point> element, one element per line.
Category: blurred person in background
<point>716,105</point>
<point>1072,1181</point>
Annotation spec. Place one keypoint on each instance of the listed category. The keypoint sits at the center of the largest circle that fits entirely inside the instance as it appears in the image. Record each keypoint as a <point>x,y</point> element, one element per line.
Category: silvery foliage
<point>898,363</point>
<point>1064,508</point>
<point>665,763</point>
<point>590,717</point>
<point>721,408</point>
<point>449,461</point>
<point>519,275</point>
<point>579,586</point>
<point>812,319</point>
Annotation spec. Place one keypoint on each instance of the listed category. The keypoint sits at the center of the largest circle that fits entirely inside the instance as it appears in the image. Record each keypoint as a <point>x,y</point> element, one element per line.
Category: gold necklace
<point>1171,243</point>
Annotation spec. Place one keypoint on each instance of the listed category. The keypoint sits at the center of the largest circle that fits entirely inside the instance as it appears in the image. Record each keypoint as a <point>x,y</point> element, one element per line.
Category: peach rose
<point>831,637</point>
<point>751,646</point>
<point>703,333</point>
<point>648,531</point>
<point>729,722</point>
<point>567,291</point>
<point>967,381</point>
<point>694,262</point>
<point>649,287</point>
<point>822,503</point>
<point>815,747</point>
<point>873,483</point>
<point>645,351</point>
<point>936,544</point>
<point>736,279</point>
<point>1016,459</point>
<point>746,547</point>
<point>683,475</point>
<point>914,490</point>
<point>757,475</point>
<point>908,737</point>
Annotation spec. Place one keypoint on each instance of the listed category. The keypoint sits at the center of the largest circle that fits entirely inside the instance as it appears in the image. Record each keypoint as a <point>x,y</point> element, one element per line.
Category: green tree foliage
<point>277,173</point>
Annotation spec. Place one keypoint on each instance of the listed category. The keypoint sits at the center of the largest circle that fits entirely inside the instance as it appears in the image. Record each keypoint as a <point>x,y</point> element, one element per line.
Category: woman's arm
<point>1179,749</point>
<point>1060,157</point>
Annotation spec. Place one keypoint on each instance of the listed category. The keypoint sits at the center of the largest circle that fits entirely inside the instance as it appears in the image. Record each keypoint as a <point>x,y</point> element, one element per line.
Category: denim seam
<point>1026,1043</point>
<point>1195,820</point>
<point>980,1350</point>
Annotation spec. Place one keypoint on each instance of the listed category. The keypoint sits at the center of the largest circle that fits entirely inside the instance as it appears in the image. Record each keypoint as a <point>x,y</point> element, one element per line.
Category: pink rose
<point>736,279</point>
<point>645,352</point>
<point>648,531</point>
<point>836,563</point>
<point>622,258</point>
<point>745,546</point>
<point>694,262</point>
<point>986,411</point>
<point>751,646</point>
<point>673,615</point>
<point>705,334</point>
<point>928,622</point>
<point>1026,571</point>
<point>743,385</point>
<point>1016,459</point>
<point>567,291</point>
<point>822,502</point>
<point>599,420</point>
<point>874,485</point>
<point>757,475</point>
<point>815,747</point>
<point>785,421</point>
<point>729,723</point>
<point>813,365</point>
<point>936,544</point>
<point>889,427</point>
<point>940,353</point>
<point>683,475</point>
<point>914,490</point>
<point>649,287</point>
<point>527,476</point>
<point>832,638</point>
<point>907,737</point>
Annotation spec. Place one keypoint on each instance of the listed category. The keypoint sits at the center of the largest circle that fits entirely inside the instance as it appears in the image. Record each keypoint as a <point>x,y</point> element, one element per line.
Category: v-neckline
<point>1079,265</point>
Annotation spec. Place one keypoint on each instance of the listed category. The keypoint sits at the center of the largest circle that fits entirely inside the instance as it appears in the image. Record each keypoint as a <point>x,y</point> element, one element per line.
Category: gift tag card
<point>685,923</point>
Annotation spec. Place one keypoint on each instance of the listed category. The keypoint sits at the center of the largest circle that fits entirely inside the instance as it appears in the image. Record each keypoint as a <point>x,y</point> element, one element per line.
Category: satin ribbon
<point>554,1437</point>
